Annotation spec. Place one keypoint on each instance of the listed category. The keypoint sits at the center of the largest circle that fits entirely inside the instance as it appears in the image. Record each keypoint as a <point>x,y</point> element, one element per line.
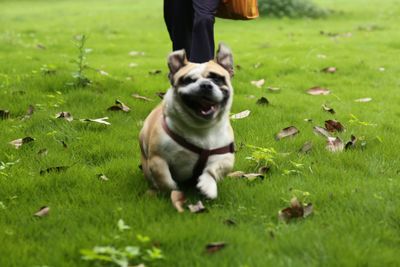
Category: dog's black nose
<point>206,87</point>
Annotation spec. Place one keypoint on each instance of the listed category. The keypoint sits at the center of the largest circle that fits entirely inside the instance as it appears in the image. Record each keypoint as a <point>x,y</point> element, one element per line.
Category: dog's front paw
<point>207,186</point>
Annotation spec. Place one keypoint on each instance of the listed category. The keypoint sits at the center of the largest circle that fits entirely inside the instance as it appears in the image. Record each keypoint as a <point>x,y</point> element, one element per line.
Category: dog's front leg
<point>214,172</point>
<point>161,175</point>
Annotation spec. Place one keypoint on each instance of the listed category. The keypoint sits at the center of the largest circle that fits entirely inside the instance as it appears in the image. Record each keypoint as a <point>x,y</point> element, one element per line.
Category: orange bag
<point>238,9</point>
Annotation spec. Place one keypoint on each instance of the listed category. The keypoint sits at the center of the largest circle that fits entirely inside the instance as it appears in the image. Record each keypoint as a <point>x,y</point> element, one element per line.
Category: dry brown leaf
<point>54,169</point>
<point>64,115</point>
<point>215,246</point>
<point>329,70</point>
<point>236,174</point>
<point>287,132</point>
<point>154,72</point>
<point>262,101</point>
<point>22,141</point>
<point>137,96</point>
<point>4,114</point>
<point>363,100</point>
<point>296,210</point>
<point>334,126</point>
<point>258,83</point>
<point>160,94</point>
<point>43,211</point>
<point>119,106</point>
<point>334,144</point>
<point>240,115</point>
<point>29,113</point>
<point>328,109</point>
<point>41,46</point>
<point>43,152</point>
<point>352,143</point>
<point>321,131</point>
<point>178,200</point>
<point>307,147</point>
<point>274,89</point>
<point>318,91</point>
<point>136,53</point>
<point>197,208</point>
<point>100,120</point>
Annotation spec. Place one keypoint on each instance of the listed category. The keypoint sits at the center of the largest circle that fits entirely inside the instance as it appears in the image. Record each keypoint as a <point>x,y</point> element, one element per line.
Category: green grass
<point>355,193</point>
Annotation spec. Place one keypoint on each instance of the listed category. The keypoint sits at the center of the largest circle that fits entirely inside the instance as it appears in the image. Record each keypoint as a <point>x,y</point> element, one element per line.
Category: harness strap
<point>204,154</point>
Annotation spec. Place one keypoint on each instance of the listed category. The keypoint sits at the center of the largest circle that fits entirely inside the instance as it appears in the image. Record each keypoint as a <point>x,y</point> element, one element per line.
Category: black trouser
<point>190,25</point>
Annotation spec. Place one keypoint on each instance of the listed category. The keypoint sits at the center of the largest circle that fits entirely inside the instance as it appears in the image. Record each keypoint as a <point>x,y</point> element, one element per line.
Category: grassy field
<point>355,193</point>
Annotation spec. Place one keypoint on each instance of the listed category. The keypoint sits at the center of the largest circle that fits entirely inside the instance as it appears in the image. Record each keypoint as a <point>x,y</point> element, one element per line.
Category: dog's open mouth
<point>201,105</point>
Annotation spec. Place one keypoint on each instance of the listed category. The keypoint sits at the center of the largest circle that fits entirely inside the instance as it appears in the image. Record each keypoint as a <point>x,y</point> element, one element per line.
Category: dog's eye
<point>186,80</point>
<point>217,79</point>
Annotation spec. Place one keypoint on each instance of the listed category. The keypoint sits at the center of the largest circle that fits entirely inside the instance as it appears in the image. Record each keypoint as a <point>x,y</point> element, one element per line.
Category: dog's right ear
<point>176,60</point>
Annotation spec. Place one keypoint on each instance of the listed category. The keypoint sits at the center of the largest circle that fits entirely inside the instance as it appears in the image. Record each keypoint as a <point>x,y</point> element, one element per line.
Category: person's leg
<point>202,49</point>
<point>178,16</point>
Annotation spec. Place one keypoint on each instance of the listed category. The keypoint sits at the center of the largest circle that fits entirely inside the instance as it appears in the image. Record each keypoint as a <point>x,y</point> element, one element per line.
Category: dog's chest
<point>181,161</point>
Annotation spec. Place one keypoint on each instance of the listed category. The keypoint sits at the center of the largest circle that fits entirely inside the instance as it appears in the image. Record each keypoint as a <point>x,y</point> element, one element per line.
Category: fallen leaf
<point>22,141</point>
<point>329,70</point>
<point>41,46</point>
<point>328,109</point>
<point>160,94</point>
<point>197,208</point>
<point>334,126</point>
<point>137,96</point>
<point>64,115</point>
<point>102,177</point>
<point>154,72</point>
<point>262,101</point>
<point>240,115</point>
<point>321,131</point>
<point>54,169</point>
<point>100,120</point>
<point>351,144</point>
<point>274,89</point>
<point>236,174</point>
<point>29,112</point>
<point>43,211</point>
<point>63,144</point>
<point>296,210</point>
<point>307,147</point>
<point>136,53</point>
<point>215,246</point>
<point>363,100</point>
<point>287,132</point>
<point>257,65</point>
<point>102,72</point>
<point>258,83</point>
<point>318,91</point>
<point>334,144</point>
<point>4,114</point>
<point>133,65</point>
<point>178,200</point>
<point>43,152</point>
<point>230,222</point>
<point>119,106</point>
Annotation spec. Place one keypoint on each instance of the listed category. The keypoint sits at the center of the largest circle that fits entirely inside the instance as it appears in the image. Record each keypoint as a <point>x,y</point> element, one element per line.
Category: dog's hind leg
<point>160,174</point>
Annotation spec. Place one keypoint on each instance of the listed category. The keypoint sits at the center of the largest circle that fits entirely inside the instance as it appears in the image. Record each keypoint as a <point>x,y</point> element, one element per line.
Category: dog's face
<point>202,91</point>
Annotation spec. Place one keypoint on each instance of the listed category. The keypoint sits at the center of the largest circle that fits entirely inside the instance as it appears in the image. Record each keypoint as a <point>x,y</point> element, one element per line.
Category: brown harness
<point>204,154</point>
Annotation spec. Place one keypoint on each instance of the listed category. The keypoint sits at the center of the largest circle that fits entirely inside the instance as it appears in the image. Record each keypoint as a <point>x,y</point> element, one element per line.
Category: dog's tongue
<point>207,109</point>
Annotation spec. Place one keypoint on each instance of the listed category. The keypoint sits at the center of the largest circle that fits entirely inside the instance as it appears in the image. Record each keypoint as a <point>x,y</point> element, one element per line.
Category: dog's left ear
<point>224,58</point>
<point>176,60</point>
